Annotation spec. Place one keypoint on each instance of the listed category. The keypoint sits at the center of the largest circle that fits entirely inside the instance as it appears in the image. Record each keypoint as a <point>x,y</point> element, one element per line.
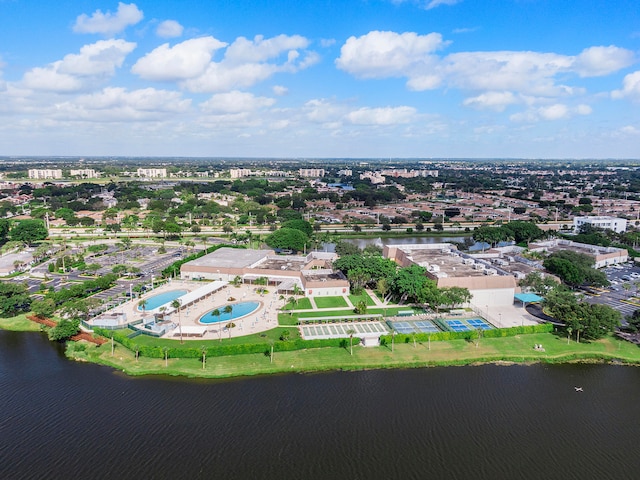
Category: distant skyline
<point>330,78</point>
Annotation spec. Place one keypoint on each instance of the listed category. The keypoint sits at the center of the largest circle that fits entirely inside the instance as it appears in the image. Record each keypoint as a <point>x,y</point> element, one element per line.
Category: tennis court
<point>342,330</point>
<point>457,325</point>
<point>478,323</point>
<point>426,326</point>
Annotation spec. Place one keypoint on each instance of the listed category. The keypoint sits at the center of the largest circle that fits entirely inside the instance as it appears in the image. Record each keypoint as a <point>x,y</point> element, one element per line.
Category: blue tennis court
<point>457,326</point>
<point>426,326</point>
<point>478,323</point>
<point>403,327</point>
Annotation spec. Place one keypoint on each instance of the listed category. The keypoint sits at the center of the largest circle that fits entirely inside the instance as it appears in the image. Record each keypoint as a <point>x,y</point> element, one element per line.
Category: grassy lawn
<point>355,299</point>
<point>19,323</point>
<point>330,302</point>
<point>263,337</point>
<point>303,304</point>
<point>456,352</point>
<point>287,319</point>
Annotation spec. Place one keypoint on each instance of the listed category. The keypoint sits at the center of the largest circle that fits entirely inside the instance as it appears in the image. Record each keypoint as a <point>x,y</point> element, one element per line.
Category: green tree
<point>14,299</point>
<point>64,330</point>
<point>287,238</point>
<point>176,305</point>
<point>298,224</point>
<point>143,305</point>
<point>351,331</point>
<point>29,231</point>
<point>344,248</point>
<point>43,308</point>
<point>361,307</point>
<point>229,326</point>
<point>409,283</point>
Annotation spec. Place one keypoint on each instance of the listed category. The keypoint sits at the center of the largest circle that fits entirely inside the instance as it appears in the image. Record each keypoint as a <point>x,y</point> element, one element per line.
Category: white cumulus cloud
<point>235,102</point>
<point>630,87</point>
<point>382,116</point>
<point>185,60</point>
<point>280,90</point>
<point>497,101</point>
<point>599,61</point>
<point>169,29</point>
<point>109,23</point>
<point>556,111</point>
<point>247,62</point>
<point>380,54</point>
<point>74,72</point>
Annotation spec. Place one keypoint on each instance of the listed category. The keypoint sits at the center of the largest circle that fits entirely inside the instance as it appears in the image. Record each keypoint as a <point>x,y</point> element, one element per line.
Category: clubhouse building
<point>311,273</point>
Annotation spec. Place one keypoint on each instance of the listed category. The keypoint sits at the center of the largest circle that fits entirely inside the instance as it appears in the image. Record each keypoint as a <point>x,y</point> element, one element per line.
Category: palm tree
<point>569,330</point>
<point>203,349</point>
<point>143,305</point>
<point>229,326</point>
<point>216,313</point>
<point>165,350</point>
<point>228,309</point>
<point>351,331</point>
<point>176,304</point>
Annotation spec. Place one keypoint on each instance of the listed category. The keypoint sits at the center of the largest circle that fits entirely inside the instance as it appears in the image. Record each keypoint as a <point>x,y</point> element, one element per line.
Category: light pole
<point>131,291</point>
<point>487,312</point>
<point>500,321</point>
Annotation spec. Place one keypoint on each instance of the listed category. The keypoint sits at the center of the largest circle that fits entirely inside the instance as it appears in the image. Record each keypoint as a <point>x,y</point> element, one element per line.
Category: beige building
<point>311,273</point>
<point>452,268</point>
<point>311,172</point>
<point>45,173</point>
<point>240,172</point>
<point>602,256</point>
<point>84,173</point>
<point>152,172</point>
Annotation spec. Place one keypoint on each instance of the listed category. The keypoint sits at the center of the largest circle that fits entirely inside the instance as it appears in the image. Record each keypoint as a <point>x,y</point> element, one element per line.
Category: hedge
<point>493,333</point>
<point>218,350</point>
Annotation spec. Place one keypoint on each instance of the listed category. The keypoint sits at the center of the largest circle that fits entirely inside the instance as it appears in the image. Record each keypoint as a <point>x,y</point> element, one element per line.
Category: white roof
<point>197,294</point>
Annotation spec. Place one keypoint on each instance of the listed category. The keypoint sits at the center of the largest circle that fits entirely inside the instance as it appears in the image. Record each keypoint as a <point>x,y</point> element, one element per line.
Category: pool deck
<point>264,318</point>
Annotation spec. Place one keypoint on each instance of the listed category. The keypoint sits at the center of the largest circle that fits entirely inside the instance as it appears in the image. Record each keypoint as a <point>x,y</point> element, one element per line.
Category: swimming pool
<point>238,310</point>
<point>162,299</point>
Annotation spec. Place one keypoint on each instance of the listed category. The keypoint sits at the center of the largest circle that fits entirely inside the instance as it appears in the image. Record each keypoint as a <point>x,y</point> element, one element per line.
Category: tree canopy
<point>287,238</point>
<point>590,321</point>
<point>29,231</point>
<point>575,268</point>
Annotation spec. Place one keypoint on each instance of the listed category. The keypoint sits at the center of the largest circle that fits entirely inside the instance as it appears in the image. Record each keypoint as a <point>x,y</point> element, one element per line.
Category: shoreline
<point>516,350</point>
<point>330,359</point>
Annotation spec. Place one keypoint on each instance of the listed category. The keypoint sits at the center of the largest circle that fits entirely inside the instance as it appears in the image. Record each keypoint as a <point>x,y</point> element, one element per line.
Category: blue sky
<point>326,78</point>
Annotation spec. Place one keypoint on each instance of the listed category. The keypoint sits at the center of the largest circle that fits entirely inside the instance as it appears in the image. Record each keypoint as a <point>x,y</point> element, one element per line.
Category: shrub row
<point>217,350</point>
<point>493,333</point>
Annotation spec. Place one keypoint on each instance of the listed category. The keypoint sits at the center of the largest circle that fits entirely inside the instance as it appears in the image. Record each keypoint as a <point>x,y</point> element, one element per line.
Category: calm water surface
<point>62,419</point>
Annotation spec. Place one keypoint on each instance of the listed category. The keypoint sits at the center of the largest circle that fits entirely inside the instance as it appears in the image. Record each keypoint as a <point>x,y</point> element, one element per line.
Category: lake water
<point>63,420</point>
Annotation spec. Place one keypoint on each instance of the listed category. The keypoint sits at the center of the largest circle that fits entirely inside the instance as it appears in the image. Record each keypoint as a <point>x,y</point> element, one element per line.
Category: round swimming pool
<point>238,310</point>
<point>162,299</point>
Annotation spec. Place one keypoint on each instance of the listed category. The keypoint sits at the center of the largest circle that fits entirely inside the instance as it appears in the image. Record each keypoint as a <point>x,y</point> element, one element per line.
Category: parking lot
<point>625,280</point>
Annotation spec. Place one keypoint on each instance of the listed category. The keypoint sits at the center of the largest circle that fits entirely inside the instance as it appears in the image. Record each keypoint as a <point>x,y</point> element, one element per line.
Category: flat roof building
<point>45,173</point>
<point>602,256</point>
<point>451,268</point>
<point>618,225</point>
<point>152,172</point>
<point>312,273</point>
